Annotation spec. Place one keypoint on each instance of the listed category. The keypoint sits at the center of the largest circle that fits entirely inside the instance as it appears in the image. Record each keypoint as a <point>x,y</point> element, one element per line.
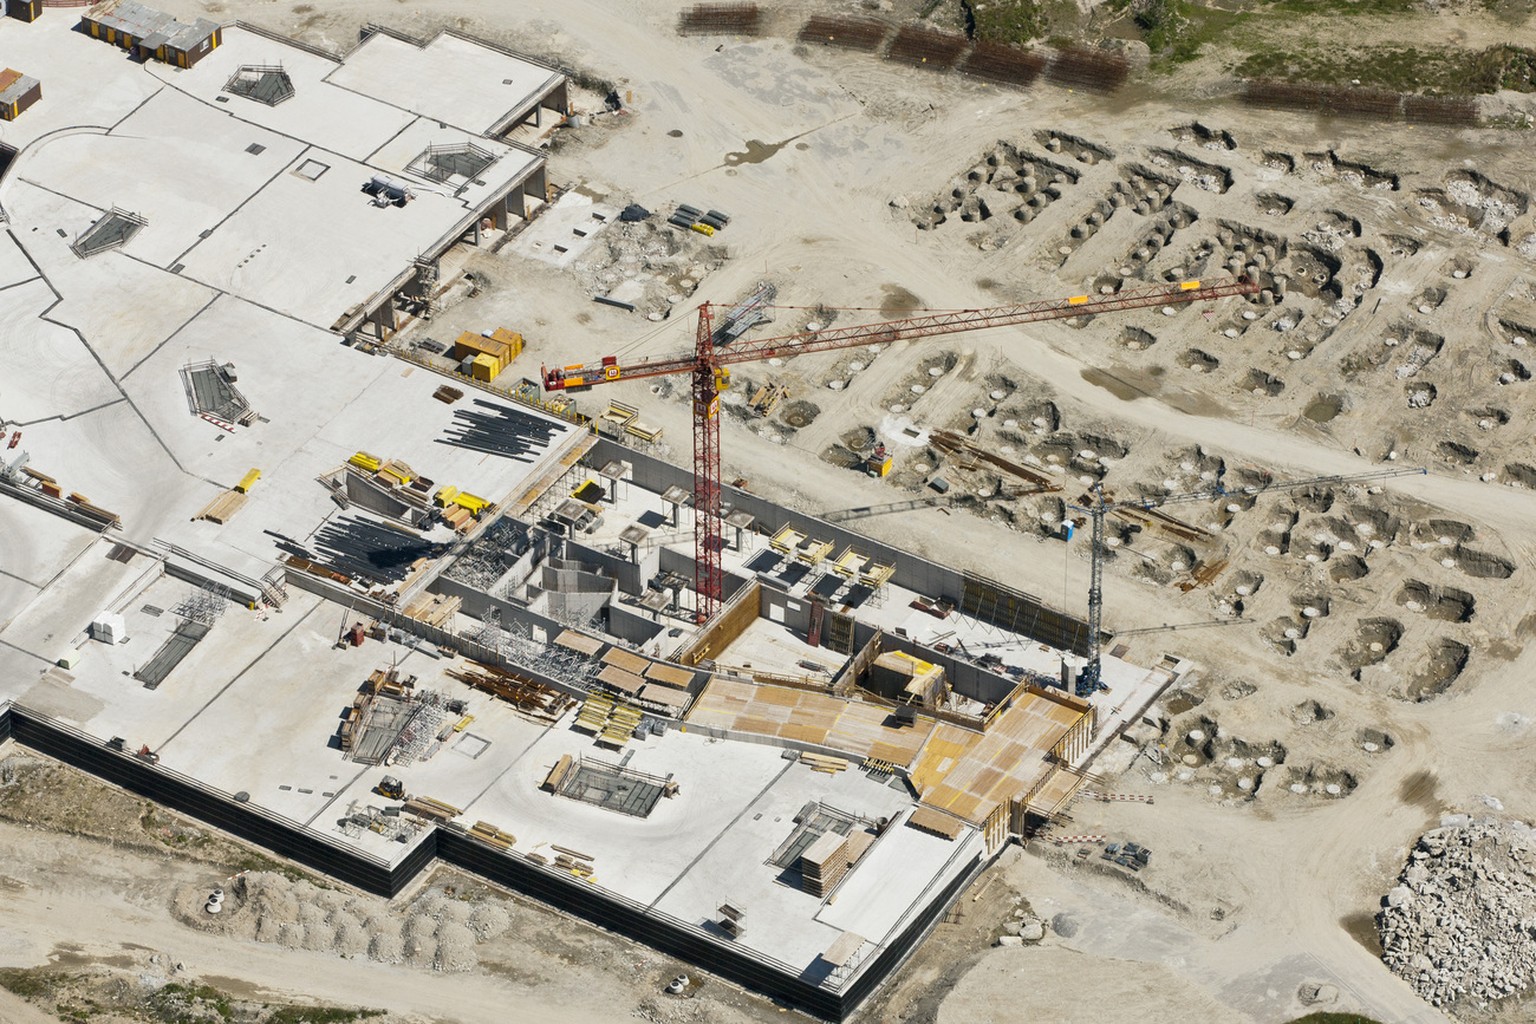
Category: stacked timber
<point>434,609</point>
<point>430,809</point>
<point>824,863</point>
<point>486,832</point>
<point>823,763</point>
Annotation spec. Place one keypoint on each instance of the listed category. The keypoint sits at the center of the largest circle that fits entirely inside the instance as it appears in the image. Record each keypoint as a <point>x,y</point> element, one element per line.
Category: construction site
<point>740,511</point>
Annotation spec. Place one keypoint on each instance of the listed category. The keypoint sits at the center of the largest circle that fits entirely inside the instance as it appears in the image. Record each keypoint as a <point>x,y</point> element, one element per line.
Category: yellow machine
<point>704,229</point>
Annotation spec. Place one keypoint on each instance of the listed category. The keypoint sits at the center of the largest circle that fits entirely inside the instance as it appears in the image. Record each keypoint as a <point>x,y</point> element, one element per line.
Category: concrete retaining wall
<point>688,941</point>
<point>912,571</point>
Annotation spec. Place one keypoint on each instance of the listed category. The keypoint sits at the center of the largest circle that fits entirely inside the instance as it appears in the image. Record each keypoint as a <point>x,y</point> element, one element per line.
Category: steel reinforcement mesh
<point>1365,104</point>
<point>864,34</point>
<point>724,19</point>
<point>923,47</point>
<point>1081,67</point>
<point>1006,65</point>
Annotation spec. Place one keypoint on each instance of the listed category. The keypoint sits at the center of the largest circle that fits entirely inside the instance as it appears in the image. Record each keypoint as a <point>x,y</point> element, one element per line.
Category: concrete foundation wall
<point>630,575</point>
<point>912,571</point>
<point>634,624</point>
<point>967,679</point>
<point>671,936</point>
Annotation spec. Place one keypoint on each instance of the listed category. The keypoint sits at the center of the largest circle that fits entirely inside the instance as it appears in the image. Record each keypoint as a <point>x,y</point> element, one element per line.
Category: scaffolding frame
<point>264,83</point>
<point>112,230</point>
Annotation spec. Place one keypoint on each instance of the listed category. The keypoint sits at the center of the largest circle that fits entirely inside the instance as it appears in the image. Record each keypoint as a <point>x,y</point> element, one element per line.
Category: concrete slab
<point>397,155</point>
<point>450,79</point>
<point>638,857</point>
<point>146,305</point>
<point>58,377</point>
<point>14,265</point>
<point>111,456</point>
<point>902,860</point>
<point>564,231</point>
<point>36,546</point>
<point>266,251</point>
<point>782,920</point>
<point>351,124</point>
<point>146,163</point>
<point>86,82</point>
<point>56,619</point>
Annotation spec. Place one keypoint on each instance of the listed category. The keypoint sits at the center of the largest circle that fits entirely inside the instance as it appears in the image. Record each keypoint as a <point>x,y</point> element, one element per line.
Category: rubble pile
<point>1461,923</point>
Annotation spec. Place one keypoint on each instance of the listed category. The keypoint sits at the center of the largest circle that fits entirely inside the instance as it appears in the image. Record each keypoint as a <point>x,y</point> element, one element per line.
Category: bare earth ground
<point>1382,670</point>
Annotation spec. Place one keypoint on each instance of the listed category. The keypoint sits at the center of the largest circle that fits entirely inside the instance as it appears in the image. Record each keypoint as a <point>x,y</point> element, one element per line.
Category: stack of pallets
<point>824,863</point>
<point>593,716</point>
<point>622,722</point>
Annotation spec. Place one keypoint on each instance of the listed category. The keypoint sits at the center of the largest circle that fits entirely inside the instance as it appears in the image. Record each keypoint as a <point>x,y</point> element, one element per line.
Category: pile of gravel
<point>432,931</point>
<point>1461,923</point>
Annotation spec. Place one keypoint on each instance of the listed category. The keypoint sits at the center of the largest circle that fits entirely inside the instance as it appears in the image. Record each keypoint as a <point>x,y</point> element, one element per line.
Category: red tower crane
<point>709,367</point>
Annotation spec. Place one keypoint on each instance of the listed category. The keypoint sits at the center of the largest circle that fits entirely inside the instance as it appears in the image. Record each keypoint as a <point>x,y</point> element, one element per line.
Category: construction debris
<point>1457,925</point>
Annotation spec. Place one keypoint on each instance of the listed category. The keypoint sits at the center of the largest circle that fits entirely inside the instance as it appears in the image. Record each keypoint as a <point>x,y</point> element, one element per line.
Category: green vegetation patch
<point>319,1015</point>
<point>1013,22</point>
<point>1334,1018</point>
<point>30,984</point>
<point>1434,70</point>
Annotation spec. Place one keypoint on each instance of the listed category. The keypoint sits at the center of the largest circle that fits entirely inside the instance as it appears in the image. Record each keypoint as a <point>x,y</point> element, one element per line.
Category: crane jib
<point>584,375</point>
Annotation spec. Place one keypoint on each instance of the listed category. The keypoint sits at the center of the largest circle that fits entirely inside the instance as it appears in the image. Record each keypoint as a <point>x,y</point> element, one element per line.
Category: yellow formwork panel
<point>248,481</point>
<point>363,460</point>
<point>472,503</point>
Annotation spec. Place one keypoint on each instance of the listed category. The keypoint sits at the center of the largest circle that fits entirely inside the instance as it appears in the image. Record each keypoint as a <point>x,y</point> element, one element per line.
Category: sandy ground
<point>117,906</point>
<point>1406,309</point>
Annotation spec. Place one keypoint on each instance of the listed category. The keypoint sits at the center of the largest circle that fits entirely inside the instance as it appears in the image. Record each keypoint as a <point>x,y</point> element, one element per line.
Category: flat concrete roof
<point>277,215</point>
<point>88,81</point>
<point>451,79</point>
<point>255,707</point>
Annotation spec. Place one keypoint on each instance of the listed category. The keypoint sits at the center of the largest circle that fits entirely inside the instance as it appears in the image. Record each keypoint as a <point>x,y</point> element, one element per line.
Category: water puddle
<point>757,151</point>
<point>1324,408</point>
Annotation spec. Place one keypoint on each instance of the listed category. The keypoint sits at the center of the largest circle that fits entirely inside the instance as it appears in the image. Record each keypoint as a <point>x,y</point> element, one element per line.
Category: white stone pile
<point>1461,923</point>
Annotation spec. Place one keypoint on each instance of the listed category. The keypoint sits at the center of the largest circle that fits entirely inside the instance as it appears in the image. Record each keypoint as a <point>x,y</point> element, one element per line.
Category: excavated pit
<point>1438,668</point>
<point>1446,604</point>
<point>1374,640</point>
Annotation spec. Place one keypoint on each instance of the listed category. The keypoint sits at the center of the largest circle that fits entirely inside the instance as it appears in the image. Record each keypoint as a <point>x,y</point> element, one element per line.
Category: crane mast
<point>708,368</point>
<point>1091,678</point>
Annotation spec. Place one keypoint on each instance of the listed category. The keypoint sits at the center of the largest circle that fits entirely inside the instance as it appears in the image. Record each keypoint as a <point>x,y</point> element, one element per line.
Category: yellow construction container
<point>248,481</point>
<point>884,466</point>
<point>485,367</point>
<point>703,229</point>
<point>511,339</point>
<point>362,460</point>
<point>500,348</point>
<point>445,495</point>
